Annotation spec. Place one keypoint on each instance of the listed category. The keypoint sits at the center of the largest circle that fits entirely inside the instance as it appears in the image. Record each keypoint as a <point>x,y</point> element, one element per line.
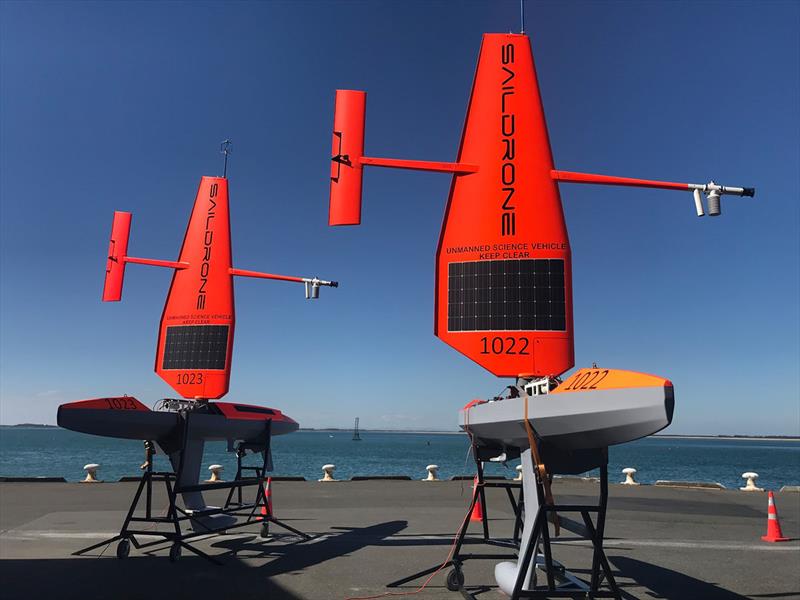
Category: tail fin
<point>117,251</point>
<point>348,148</point>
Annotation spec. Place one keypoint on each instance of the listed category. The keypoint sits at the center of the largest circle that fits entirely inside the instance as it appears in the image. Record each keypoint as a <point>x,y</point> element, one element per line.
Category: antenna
<point>522,15</point>
<point>225,148</point>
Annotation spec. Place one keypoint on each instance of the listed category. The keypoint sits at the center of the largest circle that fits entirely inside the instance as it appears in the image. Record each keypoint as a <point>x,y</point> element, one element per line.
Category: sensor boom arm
<point>118,258</point>
<point>348,161</point>
<point>312,283</point>
<point>712,190</point>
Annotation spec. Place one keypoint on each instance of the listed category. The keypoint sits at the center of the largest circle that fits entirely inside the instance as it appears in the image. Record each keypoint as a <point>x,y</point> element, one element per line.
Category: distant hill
<point>31,426</point>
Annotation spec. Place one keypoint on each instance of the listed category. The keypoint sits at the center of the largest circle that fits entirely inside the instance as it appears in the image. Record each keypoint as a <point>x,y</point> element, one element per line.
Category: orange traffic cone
<point>266,510</point>
<point>774,533</point>
<point>477,510</point>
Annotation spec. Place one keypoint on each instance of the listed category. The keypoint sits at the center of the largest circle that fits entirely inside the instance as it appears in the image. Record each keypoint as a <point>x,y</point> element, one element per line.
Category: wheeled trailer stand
<point>251,512</point>
<point>535,553</point>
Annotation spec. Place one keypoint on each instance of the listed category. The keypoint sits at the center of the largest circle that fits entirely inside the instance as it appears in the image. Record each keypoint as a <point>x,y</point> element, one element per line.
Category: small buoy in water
<point>330,436</point>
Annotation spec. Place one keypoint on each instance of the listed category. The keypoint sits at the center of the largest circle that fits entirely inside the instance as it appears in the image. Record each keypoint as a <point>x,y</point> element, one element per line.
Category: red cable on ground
<point>431,576</point>
<point>449,554</point>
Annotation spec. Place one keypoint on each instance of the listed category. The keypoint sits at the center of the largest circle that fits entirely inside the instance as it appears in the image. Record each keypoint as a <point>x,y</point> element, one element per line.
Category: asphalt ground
<point>661,543</point>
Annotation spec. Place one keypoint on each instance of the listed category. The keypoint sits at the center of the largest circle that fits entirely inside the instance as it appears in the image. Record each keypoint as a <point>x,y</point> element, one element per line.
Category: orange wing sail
<point>503,265</point>
<point>195,338</point>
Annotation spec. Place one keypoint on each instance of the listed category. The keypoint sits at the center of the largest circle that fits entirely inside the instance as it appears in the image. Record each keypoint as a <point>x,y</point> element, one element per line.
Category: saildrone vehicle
<point>503,285</point>
<point>193,354</point>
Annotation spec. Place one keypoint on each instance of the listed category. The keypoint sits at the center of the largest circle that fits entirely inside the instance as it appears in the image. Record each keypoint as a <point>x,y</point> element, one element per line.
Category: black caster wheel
<point>123,548</point>
<point>264,533</point>
<point>174,552</point>
<point>455,580</point>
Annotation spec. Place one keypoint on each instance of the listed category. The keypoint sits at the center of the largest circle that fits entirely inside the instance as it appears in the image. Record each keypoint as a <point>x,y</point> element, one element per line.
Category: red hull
<point>126,417</point>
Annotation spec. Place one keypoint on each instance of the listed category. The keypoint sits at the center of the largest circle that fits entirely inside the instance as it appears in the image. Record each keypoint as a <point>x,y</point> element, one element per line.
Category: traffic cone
<point>774,533</point>
<point>266,509</point>
<point>477,510</point>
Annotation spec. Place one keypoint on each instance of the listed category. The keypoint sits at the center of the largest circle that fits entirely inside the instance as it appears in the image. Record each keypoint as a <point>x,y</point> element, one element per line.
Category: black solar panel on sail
<point>196,347</point>
<point>506,295</point>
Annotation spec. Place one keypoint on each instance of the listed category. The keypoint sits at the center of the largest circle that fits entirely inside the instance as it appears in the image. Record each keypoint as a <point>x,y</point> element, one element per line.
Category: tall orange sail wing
<point>503,264</point>
<point>195,338</point>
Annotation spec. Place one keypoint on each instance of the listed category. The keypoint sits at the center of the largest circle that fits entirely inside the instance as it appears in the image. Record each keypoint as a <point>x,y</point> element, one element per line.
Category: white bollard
<point>327,471</point>
<point>629,473</point>
<point>433,473</point>
<point>216,470</point>
<point>750,486</point>
<point>91,473</point>
<point>519,473</point>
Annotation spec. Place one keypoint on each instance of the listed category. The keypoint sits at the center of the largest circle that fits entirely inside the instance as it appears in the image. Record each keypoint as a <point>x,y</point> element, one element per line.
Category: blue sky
<point>122,106</point>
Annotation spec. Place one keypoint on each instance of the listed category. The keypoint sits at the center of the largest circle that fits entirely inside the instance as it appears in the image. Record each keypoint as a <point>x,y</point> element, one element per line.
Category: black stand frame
<point>560,582</point>
<point>255,512</point>
<point>569,586</point>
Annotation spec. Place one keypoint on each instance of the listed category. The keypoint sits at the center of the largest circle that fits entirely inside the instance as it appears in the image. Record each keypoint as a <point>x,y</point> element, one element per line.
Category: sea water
<point>53,452</point>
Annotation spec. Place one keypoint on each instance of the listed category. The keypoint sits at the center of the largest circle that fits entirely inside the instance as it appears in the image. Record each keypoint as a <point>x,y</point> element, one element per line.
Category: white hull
<point>578,420</point>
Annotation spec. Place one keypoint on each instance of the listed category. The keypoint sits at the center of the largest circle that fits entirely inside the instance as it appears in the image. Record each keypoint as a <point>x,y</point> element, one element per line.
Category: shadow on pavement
<point>666,583</point>
<point>152,577</point>
<point>296,557</point>
<point>137,577</point>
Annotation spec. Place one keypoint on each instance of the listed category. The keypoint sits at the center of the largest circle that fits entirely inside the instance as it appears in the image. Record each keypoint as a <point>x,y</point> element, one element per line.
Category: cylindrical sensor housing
<point>698,202</point>
<point>714,203</point>
<point>117,251</point>
<point>347,150</point>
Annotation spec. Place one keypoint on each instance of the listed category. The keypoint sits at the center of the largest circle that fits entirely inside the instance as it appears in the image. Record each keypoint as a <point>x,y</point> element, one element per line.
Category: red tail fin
<point>117,251</point>
<point>348,148</point>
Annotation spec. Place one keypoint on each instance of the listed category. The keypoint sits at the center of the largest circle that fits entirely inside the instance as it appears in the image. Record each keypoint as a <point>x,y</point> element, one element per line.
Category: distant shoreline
<point>773,438</point>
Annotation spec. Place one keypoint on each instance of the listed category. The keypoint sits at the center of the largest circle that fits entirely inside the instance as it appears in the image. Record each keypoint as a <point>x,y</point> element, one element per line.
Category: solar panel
<point>196,347</point>
<point>506,295</point>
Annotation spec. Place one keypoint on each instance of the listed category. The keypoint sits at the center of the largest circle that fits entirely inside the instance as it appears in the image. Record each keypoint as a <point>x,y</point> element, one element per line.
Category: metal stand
<point>479,454</point>
<point>569,585</point>
<point>255,512</point>
<point>516,506</point>
<point>560,582</point>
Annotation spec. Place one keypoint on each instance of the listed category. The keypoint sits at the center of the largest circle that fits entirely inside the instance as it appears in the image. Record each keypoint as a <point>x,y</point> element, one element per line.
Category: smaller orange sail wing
<point>195,338</point>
